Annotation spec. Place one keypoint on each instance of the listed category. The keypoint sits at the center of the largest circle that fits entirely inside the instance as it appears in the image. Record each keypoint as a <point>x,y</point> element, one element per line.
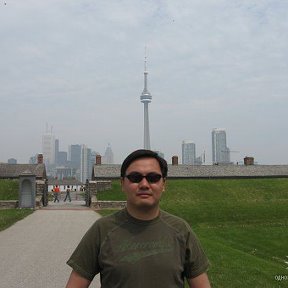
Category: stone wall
<point>10,204</point>
<point>40,186</point>
<point>92,187</point>
<point>5,204</point>
<point>97,205</point>
<point>103,185</point>
<point>100,185</point>
<point>38,201</point>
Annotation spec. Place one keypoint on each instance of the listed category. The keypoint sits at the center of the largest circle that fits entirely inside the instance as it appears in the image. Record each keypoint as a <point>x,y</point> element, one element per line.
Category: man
<point>141,245</point>
<point>56,193</point>
<point>67,196</point>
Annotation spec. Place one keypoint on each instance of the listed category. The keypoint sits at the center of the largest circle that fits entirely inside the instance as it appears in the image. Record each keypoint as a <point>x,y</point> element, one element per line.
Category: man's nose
<point>144,182</point>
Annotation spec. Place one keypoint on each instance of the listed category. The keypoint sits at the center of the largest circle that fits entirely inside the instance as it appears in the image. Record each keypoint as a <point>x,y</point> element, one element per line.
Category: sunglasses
<point>136,177</point>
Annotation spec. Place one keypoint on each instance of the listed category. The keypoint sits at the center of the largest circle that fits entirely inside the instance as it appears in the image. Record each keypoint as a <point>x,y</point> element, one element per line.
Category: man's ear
<point>164,185</point>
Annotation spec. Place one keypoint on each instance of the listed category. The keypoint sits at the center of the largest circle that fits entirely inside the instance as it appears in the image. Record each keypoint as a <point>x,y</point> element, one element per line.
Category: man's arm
<point>200,281</point>
<point>77,281</point>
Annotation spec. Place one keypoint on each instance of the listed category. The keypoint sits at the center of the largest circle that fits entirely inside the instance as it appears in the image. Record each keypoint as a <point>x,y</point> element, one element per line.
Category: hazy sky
<point>78,66</point>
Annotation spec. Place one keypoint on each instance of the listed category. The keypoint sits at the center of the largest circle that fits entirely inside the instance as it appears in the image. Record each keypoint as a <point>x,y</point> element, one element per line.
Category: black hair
<point>144,153</point>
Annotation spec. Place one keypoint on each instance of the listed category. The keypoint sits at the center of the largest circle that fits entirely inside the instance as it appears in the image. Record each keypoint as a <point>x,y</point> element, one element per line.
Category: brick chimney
<point>40,158</point>
<point>98,159</point>
<point>174,160</point>
<point>248,161</point>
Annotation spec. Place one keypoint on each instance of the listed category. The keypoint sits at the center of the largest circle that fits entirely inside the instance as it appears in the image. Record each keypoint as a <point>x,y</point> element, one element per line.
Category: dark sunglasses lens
<point>153,177</point>
<point>135,177</point>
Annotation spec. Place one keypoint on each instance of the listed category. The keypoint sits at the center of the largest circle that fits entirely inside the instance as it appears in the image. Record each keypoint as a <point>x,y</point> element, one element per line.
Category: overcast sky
<point>78,66</point>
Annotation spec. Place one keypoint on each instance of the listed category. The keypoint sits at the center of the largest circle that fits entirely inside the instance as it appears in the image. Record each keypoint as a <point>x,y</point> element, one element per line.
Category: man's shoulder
<point>111,220</point>
<point>175,222</point>
<point>168,216</point>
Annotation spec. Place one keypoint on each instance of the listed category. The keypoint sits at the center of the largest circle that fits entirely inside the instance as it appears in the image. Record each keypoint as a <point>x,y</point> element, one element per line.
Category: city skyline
<point>221,153</point>
<point>79,67</point>
<point>188,152</point>
<point>77,161</point>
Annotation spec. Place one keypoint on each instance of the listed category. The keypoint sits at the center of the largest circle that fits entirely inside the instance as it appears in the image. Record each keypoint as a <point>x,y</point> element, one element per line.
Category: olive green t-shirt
<point>132,253</point>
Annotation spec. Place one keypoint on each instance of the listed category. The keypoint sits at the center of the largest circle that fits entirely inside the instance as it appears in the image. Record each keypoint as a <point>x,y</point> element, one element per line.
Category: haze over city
<point>78,65</point>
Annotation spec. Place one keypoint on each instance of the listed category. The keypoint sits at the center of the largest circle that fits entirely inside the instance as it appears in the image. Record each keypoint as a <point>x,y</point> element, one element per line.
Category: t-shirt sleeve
<point>196,262</point>
<point>84,259</point>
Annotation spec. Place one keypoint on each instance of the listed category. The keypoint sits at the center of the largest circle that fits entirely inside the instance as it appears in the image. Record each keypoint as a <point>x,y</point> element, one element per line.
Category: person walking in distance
<point>67,194</point>
<point>56,193</point>
<point>141,245</point>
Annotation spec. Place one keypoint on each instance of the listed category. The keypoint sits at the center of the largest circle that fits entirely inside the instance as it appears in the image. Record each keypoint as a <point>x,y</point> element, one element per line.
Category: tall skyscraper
<point>62,158</point>
<point>74,155</point>
<point>56,151</point>
<point>220,151</point>
<point>146,99</point>
<point>88,158</point>
<point>188,152</point>
<point>85,164</point>
<point>48,147</point>
<point>108,155</point>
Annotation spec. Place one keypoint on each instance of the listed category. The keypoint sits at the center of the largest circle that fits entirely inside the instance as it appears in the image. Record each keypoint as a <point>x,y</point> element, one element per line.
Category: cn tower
<point>146,98</point>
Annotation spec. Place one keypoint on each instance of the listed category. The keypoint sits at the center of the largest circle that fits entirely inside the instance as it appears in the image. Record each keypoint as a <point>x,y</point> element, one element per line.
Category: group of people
<point>141,245</point>
<point>56,192</point>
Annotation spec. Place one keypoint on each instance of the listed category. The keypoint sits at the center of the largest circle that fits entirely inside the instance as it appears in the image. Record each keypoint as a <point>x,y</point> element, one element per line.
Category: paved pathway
<point>34,251</point>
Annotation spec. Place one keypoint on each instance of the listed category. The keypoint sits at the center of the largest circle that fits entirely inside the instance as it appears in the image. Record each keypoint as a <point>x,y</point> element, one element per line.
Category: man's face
<point>143,194</point>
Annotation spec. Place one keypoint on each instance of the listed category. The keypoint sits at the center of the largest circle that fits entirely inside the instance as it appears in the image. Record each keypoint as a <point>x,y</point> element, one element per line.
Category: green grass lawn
<point>9,189</point>
<point>10,216</point>
<point>242,225</point>
<point>114,194</point>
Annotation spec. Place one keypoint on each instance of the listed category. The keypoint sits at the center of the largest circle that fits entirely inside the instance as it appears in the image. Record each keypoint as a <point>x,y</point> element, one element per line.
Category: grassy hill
<point>9,189</point>
<point>242,224</point>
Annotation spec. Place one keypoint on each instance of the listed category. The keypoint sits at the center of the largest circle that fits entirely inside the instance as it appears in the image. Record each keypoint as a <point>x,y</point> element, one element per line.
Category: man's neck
<point>143,213</point>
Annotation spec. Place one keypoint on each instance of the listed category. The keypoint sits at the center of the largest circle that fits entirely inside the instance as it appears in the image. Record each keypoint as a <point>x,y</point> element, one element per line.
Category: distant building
<point>87,162</point>
<point>62,158</point>
<point>64,173</point>
<point>198,160</point>
<point>188,152</point>
<point>57,151</point>
<point>74,155</point>
<point>12,161</point>
<point>161,154</point>
<point>84,163</point>
<point>48,148</point>
<point>108,157</point>
<point>92,161</point>
<point>146,98</point>
<point>37,159</point>
<point>220,151</point>
<point>33,159</point>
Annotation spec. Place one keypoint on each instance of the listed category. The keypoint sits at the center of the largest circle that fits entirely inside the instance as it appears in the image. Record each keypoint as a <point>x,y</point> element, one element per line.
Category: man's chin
<point>146,205</point>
